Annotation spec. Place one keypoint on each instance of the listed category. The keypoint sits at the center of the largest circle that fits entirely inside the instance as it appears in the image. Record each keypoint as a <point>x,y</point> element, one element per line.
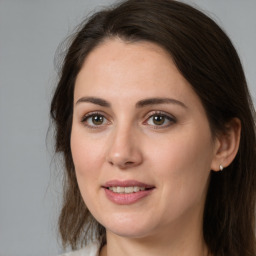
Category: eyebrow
<point>97,101</point>
<point>156,101</point>
<point>139,104</point>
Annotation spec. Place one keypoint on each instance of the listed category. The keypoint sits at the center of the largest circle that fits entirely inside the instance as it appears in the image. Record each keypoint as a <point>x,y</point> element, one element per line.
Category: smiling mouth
<point>127,195</point>
<point>127,190</point>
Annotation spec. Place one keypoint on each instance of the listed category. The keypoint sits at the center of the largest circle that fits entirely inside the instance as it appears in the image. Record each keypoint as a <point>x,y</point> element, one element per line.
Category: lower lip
<point>126,199</point>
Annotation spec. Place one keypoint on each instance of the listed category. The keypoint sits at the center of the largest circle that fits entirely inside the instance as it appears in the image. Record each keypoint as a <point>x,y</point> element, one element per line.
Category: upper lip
<point>126,183</point>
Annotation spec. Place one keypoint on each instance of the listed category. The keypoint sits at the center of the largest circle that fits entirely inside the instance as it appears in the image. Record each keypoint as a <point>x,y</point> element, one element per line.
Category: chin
<point>127,226</point>
<point>128,233</point>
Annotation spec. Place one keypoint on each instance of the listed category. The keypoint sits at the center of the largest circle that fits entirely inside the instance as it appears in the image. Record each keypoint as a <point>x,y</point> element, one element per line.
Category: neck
<point>165,247</point>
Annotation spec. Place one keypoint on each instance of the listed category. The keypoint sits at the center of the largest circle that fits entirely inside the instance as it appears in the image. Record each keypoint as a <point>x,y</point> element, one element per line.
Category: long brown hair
<point>207,59</point>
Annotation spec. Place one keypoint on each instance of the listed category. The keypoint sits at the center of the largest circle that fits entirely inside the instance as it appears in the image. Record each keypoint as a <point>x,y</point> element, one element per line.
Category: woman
<point>156,125</point>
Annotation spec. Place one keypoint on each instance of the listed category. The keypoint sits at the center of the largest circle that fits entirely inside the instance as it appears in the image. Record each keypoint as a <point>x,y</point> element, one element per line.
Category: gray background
<point>30,32</point>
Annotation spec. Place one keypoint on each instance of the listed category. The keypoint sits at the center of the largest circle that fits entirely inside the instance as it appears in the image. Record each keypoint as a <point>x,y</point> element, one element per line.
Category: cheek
<point>87,158</point>
<point>86,152</point>
<point>182,166</point>
<point>182,154</point>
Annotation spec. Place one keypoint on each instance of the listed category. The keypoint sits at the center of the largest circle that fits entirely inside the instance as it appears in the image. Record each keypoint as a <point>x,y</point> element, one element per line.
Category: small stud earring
<point>221,167</point>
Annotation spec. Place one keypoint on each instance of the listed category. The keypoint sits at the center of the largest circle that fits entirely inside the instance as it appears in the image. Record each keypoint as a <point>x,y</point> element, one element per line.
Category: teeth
<point>126,190</point>
<point>120,189</point>
<point>136,189</point>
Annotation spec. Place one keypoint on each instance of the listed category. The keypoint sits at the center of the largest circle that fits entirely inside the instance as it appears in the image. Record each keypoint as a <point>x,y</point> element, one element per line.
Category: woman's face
<point>141,142</point>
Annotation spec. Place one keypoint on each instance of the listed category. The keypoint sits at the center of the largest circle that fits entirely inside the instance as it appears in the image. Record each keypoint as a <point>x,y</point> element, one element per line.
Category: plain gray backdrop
<point>30,32</point>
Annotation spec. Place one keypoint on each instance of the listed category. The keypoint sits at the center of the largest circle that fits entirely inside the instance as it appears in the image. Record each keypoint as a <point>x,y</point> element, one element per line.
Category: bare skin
<point>137,118</point>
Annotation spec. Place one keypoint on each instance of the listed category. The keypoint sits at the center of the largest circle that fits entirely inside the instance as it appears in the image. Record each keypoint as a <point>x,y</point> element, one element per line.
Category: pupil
<point>158,120</point>
<point>97,120</point>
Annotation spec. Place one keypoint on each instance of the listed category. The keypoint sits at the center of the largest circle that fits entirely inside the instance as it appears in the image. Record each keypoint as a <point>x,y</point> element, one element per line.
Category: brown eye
<point>97,119</point>
<point>94,120</point>
<point>158,119</point>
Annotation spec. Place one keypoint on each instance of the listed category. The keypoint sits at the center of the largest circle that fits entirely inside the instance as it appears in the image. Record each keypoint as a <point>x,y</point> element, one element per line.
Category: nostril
<point>128,163</point>
<point>123,161</point>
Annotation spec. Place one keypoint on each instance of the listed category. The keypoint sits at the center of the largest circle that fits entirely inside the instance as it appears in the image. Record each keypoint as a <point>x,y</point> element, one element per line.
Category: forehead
<point>114,55</point>
<point>132,70</point>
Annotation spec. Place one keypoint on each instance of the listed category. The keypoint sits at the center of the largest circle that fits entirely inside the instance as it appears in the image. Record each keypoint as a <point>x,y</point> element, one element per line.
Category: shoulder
<point>90,250</point>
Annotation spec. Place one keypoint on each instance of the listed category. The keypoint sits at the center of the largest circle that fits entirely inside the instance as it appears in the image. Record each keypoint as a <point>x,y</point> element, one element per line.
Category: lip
<point>123,198</point>
<point>126,183</point>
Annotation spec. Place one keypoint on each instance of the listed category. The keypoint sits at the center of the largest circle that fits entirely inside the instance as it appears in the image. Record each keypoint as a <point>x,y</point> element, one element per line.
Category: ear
<point>226,145</point>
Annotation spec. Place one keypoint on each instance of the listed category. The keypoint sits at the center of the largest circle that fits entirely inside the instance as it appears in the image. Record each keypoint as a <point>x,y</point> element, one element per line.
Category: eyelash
<point>167,117</point>
<point>90,115</point>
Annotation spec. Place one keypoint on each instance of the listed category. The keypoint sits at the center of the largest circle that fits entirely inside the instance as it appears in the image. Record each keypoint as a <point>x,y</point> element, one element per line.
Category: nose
<point>124,149</point>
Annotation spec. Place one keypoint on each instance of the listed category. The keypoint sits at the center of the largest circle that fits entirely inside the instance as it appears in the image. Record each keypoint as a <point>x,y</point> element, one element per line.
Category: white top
<point>90,250</point>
